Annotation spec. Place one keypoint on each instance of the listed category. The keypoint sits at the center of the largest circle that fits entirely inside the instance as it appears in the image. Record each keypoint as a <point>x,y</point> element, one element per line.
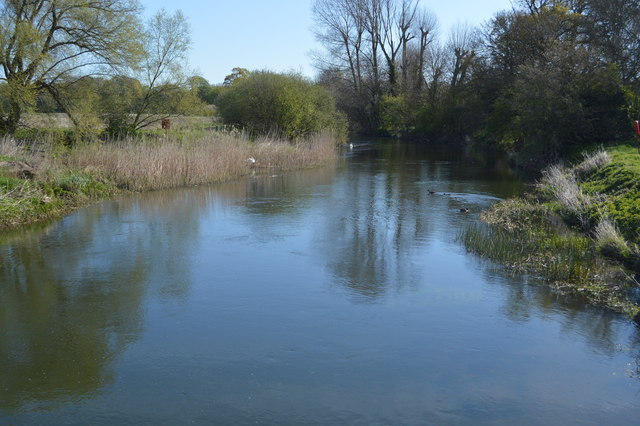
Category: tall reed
<point>158,163</point>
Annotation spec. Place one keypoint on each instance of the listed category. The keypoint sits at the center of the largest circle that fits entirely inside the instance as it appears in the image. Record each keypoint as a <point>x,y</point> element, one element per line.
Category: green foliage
<point>396,116</point>
<point>9,183</point>
<point>558,106</point>
<point>206,92</point>
<point>46,43</point>
<point>51,137</point>
<point>599,197</point>
<point>118,98</point>
<point>286,104</point>
<point>237,74</point>
<point>452,118</point>
<point>76,183</point>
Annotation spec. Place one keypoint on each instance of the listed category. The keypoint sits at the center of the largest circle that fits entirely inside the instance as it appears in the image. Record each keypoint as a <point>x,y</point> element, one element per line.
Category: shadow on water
<point>526,298</point>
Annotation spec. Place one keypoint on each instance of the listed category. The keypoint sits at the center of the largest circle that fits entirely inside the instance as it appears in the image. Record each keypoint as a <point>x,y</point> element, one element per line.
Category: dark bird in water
<point>431,192</point>
<point>464,210</point>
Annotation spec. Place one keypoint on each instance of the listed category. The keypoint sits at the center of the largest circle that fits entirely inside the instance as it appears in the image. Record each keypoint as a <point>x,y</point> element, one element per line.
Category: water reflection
<point>528,298</point>
<point>281,194</point>
<point>310,296</point>
<point>380,212</point>
<point>72,296</point>
<point>58,336</point>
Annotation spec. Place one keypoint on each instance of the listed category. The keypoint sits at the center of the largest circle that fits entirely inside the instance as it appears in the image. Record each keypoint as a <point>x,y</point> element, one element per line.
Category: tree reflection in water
<point>72,295</point>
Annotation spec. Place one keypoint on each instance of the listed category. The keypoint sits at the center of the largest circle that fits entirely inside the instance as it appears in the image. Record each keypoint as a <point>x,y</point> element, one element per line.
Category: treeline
<point>259,102</point>
<point>112,74</point>
<point>539,79</point>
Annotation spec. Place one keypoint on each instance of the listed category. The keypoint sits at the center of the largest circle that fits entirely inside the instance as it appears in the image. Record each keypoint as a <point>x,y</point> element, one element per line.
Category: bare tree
<point>380,44</point>
<point>426,23</point>
<point>436,64</point>
<point>461,43</point>
<point>341,29</point>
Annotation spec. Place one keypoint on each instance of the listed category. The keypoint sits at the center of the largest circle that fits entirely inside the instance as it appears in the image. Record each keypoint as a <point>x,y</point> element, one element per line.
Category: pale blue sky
<point>277,34</point>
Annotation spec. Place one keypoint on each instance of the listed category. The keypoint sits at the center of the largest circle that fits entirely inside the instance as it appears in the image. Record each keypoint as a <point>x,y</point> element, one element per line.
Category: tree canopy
<point>46,42</point>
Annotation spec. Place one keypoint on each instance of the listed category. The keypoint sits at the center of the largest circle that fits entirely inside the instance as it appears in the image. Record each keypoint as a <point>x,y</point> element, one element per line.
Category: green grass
<point>24,201</point>
<point>8,184</point>
<point>618,187</point>
<point>578,229</point>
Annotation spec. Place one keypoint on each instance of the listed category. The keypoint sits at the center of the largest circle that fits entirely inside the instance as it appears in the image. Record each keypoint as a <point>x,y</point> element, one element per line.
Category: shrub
<point>265,102</point>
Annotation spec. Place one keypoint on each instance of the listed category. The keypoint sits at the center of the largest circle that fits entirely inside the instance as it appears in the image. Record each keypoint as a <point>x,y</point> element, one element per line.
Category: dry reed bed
<point>165,163</point>
<point>64,179</point>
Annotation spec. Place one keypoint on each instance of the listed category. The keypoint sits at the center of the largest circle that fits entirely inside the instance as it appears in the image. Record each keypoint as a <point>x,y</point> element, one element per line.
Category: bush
<point>290,105</point>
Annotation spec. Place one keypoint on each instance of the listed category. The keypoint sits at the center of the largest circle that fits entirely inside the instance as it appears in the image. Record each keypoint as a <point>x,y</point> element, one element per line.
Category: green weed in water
<point>567,261</point>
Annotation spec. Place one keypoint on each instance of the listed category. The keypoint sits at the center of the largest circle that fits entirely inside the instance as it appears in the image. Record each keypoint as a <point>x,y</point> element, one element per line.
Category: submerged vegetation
<point>578,229</point>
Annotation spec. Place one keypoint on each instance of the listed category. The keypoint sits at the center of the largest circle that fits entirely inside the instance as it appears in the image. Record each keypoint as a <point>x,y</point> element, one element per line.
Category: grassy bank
<point>44,180</point>
<point>578,230</point>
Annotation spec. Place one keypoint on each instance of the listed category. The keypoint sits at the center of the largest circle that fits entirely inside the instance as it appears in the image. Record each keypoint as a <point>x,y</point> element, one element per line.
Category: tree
<point>46,42</point>
<point>556,88</point>
<point>462,44</point>
<point>206,92</point>
<point>237,73</point>
<point>119,97</point>
<point>167,42</point>
<point>377,46</point>
<point>426,23</point>
<point>612,26</point>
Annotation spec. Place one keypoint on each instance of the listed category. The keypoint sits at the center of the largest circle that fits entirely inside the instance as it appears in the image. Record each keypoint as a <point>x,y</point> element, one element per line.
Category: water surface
<point>339,295</point>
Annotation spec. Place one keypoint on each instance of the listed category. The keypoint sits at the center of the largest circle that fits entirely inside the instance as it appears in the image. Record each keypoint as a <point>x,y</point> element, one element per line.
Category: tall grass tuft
<point>609,240</point>
<point>9,148</point>
<point>592,162</point>
<point>562,185</point>
<point>532,234</point>
<point>67,177</point>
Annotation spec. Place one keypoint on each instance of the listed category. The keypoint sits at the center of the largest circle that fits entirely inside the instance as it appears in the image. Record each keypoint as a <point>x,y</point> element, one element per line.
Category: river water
<point>338,295</point>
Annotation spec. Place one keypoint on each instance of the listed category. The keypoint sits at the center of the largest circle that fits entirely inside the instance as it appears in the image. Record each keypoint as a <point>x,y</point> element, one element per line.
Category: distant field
<point>61,121</point>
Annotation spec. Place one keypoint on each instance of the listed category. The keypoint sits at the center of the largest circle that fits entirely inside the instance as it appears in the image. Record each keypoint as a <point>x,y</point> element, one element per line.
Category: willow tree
<point>46,42</point>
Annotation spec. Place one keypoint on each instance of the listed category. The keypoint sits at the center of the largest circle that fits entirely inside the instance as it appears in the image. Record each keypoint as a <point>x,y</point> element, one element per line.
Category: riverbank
<point>40,181</point>
<point>578,229</point>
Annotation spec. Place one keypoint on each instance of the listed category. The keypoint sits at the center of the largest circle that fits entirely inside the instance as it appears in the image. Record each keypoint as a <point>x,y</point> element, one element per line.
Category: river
<point>337,295</point>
